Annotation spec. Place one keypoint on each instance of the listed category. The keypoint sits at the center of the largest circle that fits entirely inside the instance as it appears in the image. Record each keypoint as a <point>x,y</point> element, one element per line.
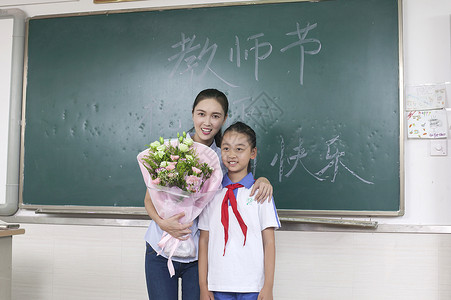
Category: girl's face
<point>236,152</point>
<point>208,118</point>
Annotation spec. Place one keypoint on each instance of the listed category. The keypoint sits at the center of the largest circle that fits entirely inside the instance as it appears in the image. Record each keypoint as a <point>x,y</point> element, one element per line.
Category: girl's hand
<point>264,188</point>
<point>206,295</point>
<point>175,228</point>
<point>265,294</point>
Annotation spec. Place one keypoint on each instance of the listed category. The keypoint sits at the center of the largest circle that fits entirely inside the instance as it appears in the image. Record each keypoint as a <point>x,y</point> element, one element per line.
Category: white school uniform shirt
<point>241,268</point>
<point>154,232</point>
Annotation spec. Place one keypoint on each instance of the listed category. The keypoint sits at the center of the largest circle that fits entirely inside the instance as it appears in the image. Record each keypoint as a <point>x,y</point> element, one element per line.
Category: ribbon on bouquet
<point>162,244</point>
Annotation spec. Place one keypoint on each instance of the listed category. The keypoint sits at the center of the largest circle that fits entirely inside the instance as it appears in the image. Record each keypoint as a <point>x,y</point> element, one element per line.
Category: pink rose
<point>175,157</point>
<point>156,181</point>
<point>193,183</point>
<point>192,180</point>
<point>196,170</point>
<point>170,167</point>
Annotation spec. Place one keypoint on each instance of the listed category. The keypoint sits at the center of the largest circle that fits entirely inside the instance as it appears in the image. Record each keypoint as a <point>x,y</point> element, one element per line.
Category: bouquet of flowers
<point>181,176</point>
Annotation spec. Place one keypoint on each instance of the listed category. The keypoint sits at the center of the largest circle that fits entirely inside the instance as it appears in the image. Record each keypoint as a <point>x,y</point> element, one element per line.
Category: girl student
<point>209,114</point>
<point>236,244</point>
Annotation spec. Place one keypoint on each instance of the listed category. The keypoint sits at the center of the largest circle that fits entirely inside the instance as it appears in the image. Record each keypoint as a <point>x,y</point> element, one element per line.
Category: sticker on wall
<point>424,97</point>
<point>429,124</point>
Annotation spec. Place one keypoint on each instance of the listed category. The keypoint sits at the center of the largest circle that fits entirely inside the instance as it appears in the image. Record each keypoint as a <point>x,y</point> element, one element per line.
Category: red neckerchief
<point>229,196</point>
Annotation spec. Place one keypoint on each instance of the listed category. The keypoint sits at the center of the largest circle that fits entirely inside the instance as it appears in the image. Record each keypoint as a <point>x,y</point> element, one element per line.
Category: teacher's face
<point>208,118</point>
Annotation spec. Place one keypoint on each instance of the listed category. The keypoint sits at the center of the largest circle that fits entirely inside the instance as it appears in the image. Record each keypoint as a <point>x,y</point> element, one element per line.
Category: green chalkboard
<point>319,82</point>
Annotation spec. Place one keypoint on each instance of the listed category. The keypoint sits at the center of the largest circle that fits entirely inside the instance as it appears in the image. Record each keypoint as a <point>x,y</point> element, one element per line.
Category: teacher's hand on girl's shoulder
<point>263,190</point>
<point>175,228</point>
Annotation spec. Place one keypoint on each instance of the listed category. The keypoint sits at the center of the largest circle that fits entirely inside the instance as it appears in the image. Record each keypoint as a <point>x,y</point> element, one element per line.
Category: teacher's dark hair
<point>221,98</point>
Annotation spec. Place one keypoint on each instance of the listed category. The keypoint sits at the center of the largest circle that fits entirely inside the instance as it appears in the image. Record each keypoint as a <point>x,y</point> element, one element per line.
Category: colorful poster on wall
<point>424,97</point>
<point>428,124</point>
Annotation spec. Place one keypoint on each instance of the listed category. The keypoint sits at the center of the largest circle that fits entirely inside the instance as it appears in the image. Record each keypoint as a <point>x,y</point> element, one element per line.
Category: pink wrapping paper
<point>169,201</point>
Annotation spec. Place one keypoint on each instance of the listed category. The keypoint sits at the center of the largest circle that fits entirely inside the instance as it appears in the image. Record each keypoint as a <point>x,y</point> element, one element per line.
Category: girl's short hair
<point>221,98</point>
<point>243,128</point>
<point>240,127</point>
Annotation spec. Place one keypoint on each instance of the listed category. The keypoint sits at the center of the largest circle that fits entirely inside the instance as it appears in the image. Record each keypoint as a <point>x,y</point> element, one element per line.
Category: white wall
<point>364,265</point>
<point>55,262</point>
<point>427,57</point>
<point>6,31</point>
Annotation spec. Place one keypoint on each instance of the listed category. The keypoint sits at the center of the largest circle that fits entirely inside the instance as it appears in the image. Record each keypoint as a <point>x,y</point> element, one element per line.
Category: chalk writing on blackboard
<point>192,54</point>
<point>334,159</point>
<point>256,48</point>
<point>192,61</point>
<point>300,153</point>
<point>263,110</point>
<point>302,34</point>
<point>337,162</point>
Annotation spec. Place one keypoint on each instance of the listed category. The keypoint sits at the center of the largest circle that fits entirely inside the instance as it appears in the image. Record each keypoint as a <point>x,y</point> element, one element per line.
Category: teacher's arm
<point>170,225</point>
<point>263,188</point>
